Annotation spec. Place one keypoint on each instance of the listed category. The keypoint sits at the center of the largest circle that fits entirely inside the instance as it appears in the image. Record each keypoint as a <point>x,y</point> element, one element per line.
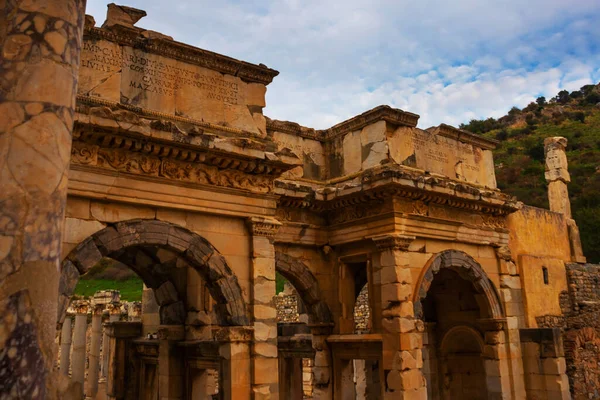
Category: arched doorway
<point>176,266</point>
<point>456,301</point>
<point>298,349</point>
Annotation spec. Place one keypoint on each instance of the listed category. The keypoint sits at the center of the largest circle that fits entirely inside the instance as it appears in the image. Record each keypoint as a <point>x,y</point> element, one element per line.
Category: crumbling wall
<point>581,335</point>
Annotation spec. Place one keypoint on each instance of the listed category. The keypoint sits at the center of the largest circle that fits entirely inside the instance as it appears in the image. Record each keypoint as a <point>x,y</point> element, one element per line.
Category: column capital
<point>80,307</point>
<point>234,334</point>
<point>114,308</point>
<point>392,241</point>
<point>263,226</point>
<point>97,309</point>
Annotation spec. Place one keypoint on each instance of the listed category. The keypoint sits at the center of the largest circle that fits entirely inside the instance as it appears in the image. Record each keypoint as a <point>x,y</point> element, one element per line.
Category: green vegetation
<point>279,282</point>
<point>108,274</point>
<point>520,156</point>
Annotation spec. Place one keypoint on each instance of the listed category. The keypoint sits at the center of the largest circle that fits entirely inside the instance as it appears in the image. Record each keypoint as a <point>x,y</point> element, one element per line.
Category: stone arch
<point>306,284</point>
<point>114,241</point>
<point>468,269</point>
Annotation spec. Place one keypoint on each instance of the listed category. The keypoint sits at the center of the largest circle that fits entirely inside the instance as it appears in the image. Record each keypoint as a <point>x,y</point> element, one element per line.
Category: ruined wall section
<point>581,329</point>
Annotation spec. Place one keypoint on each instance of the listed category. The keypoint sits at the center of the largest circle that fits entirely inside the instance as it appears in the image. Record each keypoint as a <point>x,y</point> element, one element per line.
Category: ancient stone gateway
<point>176,173</point>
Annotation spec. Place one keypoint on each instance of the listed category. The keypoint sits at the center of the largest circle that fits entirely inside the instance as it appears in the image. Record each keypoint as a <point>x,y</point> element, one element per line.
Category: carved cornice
<point>263,226</point>
<point>380,113</point>
<point>162,46</point>
<point>87,104</point>
<point>464,136</point>
<point>404,183</point>
<point>393,241</point>
<point>385,113</point>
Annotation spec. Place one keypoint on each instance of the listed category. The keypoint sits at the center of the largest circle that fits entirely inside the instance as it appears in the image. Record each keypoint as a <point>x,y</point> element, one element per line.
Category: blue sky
<point>448,61</point>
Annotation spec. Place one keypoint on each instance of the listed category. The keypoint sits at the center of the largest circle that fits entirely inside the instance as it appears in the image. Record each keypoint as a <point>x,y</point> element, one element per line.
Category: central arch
<point>147,237</point>
<point>469,270</point>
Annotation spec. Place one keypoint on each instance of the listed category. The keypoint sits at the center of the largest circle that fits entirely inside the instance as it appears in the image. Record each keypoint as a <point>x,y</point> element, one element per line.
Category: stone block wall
<point>581,329</point>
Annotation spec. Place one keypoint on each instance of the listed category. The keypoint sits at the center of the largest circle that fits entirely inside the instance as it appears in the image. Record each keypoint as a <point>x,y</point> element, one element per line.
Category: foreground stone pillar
<point>264,348</point>
<point>235,381</point>
<point>92,380</point>
<point>40,43</point>
<point>78,356</point>
<point>402,334</point>
<point>65,346</point>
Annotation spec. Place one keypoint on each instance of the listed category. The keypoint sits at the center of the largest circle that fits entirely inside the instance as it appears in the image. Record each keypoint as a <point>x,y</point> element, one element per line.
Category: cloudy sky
<point>448,61</point>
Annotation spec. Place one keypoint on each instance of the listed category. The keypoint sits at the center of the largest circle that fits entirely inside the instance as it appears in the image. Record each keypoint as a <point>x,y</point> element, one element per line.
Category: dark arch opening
<point>141,244</point>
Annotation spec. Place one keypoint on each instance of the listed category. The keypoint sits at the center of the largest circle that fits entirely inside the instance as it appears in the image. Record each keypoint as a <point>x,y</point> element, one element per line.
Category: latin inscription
<point>439,150</point>
<point>154,76</point>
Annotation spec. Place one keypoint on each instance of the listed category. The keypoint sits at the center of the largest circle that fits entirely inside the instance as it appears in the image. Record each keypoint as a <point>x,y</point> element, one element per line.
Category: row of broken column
<point>73,343</point>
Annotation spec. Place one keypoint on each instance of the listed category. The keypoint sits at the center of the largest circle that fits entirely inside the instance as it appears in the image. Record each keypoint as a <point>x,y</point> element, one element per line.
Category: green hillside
<point>520,157</point>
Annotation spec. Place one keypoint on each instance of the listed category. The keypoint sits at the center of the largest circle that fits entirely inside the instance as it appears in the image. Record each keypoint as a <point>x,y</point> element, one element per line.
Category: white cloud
<point>447,61</point>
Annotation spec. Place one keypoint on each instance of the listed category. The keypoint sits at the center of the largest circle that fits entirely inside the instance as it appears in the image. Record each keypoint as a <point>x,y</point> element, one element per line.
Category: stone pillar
<point>92,379</point>
<point>557,176</point>
<point>402,334</point>
<point>39,63</point>
<point>235,381</point>
<point>322,369</point>
<point>119,336</point>
<point>65,346</point>
<point>170,362</point>
<point>79,348</point>
<point>264,346</point>
<point>512,298</point>
<point>497,362</point>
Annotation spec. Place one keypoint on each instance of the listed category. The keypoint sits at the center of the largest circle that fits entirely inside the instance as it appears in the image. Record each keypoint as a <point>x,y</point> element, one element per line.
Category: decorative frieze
<point>393,241</point>
<point>263,226</point>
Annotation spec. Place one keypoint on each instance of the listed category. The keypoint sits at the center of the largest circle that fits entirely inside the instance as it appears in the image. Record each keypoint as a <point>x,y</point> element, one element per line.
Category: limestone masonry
<point>412,276</point>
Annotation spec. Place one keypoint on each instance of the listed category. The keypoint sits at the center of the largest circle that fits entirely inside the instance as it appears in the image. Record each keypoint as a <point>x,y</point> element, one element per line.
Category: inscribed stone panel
<point>133,76</point>
<point>100,69</point>
<point>446,156</point>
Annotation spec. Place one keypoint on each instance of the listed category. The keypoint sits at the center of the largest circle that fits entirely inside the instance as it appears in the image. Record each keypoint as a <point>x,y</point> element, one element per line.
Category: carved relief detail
<point>420,208</point>
<point>393,242</point>
<point>261,226</point>
<point>351,213</point>
<point>493,221</point>
<point>143,164</point>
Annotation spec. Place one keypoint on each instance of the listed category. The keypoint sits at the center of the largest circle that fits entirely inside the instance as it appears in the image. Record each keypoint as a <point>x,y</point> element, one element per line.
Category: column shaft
<point>39,63</point>
<point>78,357</point>
<point>65,346</point>
<point>92,380</point>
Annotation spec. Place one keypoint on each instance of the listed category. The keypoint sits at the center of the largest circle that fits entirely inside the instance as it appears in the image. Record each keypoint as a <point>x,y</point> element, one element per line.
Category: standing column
<point>92,380</point>
<point>78,358</point>
<point>264,347</point>
<point>39,63</point>
<point>402,334</point>
<point>65,346</point>
<point>557,176</point>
